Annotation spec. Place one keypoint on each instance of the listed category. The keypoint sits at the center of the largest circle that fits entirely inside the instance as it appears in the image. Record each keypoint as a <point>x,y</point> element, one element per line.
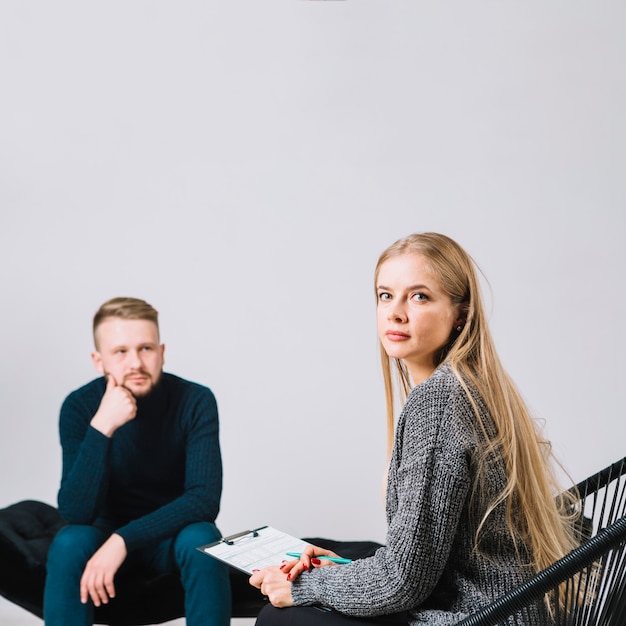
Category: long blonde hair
<point>535,514</point>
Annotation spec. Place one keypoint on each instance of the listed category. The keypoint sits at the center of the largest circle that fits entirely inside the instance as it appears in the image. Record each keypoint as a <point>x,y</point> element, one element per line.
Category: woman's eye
<point>420,297</point>
<point>384,296</point>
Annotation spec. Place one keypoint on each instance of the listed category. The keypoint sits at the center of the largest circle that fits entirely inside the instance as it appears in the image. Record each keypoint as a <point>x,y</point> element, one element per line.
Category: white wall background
<point>241,165</point>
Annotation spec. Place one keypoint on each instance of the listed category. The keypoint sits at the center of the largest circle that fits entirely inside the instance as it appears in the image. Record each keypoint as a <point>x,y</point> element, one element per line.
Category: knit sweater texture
<point>429,565</point>
<point>158,473</point>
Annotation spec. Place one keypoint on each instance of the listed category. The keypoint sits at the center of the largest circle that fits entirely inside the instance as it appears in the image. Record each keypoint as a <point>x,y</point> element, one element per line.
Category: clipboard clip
<point>230,540</point>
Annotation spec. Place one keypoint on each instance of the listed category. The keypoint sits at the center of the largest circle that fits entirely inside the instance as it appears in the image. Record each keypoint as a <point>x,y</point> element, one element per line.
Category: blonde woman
<point>471,506</point>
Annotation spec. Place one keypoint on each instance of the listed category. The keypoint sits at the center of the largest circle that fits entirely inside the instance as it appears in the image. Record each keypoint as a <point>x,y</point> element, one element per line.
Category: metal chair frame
<point>594,572</point>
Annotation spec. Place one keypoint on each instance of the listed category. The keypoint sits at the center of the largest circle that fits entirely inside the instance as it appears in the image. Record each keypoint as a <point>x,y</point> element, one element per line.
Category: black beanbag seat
<point>26,532</point>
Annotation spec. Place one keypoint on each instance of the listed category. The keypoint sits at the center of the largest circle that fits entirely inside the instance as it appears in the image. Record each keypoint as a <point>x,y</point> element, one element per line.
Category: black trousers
<point>313,616</point>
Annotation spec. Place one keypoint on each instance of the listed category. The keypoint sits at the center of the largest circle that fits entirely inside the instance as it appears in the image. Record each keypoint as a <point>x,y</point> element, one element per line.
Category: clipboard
<point>254,549</point>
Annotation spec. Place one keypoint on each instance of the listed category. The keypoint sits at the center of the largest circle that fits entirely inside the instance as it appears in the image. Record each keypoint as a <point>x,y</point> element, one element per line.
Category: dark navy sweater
<point>157,474</point>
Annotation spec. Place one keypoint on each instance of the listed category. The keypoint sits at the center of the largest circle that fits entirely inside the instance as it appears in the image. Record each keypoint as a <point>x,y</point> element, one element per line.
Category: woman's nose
<point>396,315</point>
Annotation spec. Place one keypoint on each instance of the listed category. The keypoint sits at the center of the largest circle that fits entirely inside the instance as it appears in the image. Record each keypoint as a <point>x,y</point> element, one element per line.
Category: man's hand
<point>118,406</point>
<point>97,580</point>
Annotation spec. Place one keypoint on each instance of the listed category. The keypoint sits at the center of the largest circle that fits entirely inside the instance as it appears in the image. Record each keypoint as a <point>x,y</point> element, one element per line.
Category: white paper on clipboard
<point>254,549</point>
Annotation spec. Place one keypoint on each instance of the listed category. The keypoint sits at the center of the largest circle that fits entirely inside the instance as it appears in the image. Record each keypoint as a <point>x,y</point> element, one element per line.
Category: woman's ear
<point>461,318</point>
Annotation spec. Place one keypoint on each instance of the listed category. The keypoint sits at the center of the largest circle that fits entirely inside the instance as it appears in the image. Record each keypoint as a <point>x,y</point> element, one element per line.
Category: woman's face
<point>415,316</point>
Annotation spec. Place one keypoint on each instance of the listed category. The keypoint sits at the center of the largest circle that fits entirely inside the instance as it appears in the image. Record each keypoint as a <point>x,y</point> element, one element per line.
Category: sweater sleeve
<point>428,485</point>
<point>203,478</point>
<point>84,480</point>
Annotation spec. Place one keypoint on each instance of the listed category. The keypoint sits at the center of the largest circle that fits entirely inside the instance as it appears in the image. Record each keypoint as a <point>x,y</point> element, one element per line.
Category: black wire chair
<point>594,573</point>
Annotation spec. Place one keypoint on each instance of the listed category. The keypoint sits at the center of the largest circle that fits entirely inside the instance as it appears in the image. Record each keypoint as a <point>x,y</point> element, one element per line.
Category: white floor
<point>12,615</point>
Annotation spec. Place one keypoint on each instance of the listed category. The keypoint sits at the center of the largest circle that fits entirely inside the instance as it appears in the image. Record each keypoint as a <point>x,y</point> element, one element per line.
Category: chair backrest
<point>601,584</point>
<point>603,495</point>
<point>594,573</point>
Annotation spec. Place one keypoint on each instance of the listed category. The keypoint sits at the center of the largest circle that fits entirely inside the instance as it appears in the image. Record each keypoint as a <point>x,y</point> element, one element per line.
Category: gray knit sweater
<point>429,565</point>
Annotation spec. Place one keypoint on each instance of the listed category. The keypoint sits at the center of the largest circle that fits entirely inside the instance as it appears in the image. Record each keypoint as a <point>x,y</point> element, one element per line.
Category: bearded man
<point>141,480</point>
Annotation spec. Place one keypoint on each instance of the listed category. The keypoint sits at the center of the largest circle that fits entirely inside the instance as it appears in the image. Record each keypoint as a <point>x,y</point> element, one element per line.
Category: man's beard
<point>149,390</point>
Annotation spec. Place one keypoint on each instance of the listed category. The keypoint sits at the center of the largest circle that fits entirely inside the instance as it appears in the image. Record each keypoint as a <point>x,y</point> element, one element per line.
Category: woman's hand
<point>273,583</point>
<point>311,557</point>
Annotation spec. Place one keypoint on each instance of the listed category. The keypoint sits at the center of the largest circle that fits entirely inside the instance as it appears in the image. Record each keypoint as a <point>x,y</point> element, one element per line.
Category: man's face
<point>129,351</point>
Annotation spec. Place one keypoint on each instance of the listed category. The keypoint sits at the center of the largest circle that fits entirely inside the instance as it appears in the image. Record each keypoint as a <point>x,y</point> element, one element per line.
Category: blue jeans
<point>205,580</point>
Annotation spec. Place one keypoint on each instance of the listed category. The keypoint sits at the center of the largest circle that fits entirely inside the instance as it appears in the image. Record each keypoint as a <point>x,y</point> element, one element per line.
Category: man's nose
<point>135,359</point>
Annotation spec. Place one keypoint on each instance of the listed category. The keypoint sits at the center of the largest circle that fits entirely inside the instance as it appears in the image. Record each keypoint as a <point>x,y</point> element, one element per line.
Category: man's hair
<point>125,308</point>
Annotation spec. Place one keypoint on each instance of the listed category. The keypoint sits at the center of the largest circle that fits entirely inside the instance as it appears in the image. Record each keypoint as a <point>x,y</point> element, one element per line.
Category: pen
<point>333,559</point>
